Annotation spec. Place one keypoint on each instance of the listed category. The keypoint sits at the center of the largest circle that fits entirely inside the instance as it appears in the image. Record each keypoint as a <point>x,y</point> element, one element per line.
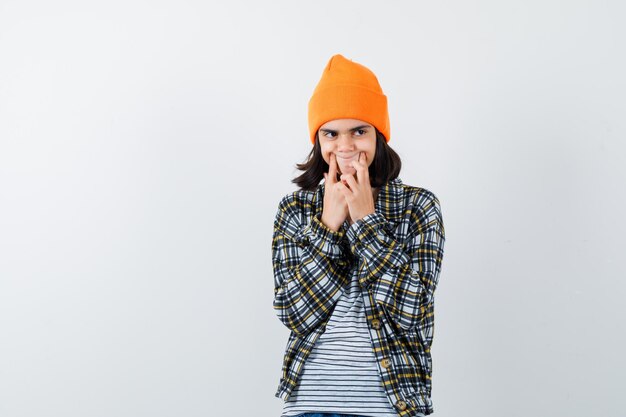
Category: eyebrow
<point>351,130</point>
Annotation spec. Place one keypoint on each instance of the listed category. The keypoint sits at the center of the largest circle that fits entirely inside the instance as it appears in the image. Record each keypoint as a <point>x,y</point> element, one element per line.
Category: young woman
<point>356,260</point>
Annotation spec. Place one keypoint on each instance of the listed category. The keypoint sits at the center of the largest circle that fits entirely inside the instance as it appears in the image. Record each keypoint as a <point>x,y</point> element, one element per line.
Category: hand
<point>335,209</point>
<point>359,195</point>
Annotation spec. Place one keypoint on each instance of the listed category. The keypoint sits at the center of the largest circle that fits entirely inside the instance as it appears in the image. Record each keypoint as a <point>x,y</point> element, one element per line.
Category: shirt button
<point>386,363</point>
<point>376,324</point>
<point>401,405</point>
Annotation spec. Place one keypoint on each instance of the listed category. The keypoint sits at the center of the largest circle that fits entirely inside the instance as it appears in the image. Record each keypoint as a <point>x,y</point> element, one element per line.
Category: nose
<point>345,141</point>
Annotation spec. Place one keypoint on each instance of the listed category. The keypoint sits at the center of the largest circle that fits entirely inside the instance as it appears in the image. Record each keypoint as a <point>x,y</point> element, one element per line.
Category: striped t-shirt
<point>340,375</point>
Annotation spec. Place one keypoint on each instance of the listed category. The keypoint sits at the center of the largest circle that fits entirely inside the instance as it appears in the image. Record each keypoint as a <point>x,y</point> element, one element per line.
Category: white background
<point>144,147</point>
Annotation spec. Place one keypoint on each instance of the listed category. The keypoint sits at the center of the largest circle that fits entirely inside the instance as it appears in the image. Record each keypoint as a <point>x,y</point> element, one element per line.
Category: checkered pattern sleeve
<point>308,264</point>
<point>402,276</point>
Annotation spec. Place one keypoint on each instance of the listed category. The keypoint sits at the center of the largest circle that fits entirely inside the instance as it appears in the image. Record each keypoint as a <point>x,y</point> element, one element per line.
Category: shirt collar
<point>387,202</point>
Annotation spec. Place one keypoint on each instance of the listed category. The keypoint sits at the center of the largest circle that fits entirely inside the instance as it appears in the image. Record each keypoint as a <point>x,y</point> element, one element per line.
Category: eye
<point>360,132</point>
<point>329,134</point>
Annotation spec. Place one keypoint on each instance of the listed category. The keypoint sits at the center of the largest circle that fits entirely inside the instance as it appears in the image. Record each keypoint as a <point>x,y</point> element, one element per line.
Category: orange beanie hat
<point>348,90</point>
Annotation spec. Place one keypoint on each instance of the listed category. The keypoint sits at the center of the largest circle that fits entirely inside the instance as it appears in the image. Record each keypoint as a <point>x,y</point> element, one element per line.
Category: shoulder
<point>296,200</point>
<point>296,206</point>
<point>420,196</point>
<point>425,206</point>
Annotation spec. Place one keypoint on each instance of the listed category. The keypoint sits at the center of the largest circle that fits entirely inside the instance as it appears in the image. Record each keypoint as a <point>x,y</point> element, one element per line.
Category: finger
<point>359,166</point>
<point>343,181</point>
<point>332,168</point>
<point>335,164</point>
<point>366,169</point>
<point>351,181</point>
<point>343,189</point>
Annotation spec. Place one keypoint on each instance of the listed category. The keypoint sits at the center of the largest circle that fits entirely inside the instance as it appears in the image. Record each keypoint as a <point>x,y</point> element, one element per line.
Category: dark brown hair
<point>386,165</point>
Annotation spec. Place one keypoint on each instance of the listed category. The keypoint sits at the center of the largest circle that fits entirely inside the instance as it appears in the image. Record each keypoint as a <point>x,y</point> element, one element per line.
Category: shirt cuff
<point>324,239</point>
<point>378,250</point>
<point>362,229</point>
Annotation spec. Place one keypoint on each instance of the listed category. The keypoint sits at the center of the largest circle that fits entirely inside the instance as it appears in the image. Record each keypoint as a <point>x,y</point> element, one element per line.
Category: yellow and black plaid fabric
<point>397,252</point>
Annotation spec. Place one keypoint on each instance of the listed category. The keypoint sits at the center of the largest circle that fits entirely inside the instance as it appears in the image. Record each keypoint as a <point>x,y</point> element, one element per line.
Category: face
<point>346,138</point>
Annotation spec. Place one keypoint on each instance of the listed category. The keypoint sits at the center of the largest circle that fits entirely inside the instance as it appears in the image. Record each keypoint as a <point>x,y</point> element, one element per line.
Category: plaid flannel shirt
<point>397,252</point>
